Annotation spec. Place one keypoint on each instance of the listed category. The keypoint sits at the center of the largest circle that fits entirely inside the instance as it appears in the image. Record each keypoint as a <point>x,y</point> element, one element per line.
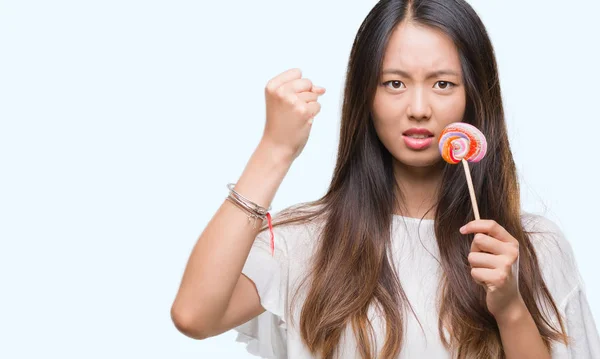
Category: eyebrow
<point>429,75</point>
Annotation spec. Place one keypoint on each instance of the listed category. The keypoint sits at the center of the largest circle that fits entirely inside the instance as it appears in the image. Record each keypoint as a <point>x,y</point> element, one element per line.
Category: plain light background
<point>122,122</point>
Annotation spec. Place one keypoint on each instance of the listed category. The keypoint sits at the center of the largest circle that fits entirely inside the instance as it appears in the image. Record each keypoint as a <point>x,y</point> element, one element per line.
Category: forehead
<point>414,47</point>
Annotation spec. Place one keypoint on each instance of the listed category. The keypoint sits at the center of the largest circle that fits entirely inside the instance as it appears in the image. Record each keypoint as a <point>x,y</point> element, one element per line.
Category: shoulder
<point>546,235</point>
<point>291,236</point>
<point>548,238</point>
<point>555,256</point>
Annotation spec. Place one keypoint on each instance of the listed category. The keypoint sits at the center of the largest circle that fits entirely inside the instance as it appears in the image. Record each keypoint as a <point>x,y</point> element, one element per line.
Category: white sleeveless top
<point>416,255</point>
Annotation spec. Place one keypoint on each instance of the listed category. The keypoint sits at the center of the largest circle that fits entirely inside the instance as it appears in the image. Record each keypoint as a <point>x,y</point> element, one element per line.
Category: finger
<point>485,243</point>
<point>308,96</point>
<point>296,86</point>
<point>313,108</point>
<point>318,89</point>
<point>284,77</point>
<point>489,227</point>
<point>484,275</point>
<point>484,260</point>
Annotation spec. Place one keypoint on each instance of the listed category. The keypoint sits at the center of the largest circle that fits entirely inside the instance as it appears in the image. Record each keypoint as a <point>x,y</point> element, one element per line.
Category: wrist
<point>513,313</point>
<point>277,154</point>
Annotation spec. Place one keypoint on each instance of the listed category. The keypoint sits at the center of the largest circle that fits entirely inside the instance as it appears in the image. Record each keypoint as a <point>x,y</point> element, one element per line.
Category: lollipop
<point>461,142</point>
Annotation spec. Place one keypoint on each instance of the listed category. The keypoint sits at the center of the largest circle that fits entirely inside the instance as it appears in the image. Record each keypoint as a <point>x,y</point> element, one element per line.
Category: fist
<point>291,106</point>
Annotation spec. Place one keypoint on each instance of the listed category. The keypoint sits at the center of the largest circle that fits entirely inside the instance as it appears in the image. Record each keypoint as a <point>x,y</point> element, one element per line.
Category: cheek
<point>387,123</point>
<point>451,109</point>
<point>387,113</point>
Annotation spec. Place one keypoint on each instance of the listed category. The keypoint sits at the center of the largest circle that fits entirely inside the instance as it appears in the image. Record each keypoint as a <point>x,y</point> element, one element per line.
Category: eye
<point>445,85</point>
<point>395,84</point>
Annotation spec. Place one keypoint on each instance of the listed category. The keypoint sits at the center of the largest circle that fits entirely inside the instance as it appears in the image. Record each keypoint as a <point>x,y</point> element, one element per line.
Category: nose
<point>419,108</point>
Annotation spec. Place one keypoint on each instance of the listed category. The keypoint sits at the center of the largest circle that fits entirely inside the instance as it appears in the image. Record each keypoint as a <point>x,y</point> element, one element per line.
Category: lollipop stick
<point>471,190</point>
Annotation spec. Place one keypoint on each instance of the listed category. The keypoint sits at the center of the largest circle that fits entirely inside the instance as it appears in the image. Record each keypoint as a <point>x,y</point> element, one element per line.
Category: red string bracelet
<point>241,202</point>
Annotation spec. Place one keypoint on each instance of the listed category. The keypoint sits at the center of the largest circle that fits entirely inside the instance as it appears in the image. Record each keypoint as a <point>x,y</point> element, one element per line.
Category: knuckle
<point>502,277</point>
<point>270,88</point>
<point>280,92</point>
<point>291,99</point>
<point>301,110</point>
<point>479,238</point>
<point>512,251</point>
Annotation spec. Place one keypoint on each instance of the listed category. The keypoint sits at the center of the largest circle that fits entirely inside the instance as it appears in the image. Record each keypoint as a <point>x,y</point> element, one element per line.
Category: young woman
<point>390,263</point>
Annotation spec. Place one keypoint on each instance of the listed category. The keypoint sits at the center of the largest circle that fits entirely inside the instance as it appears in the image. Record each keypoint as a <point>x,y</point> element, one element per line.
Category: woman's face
<point>420,92</point>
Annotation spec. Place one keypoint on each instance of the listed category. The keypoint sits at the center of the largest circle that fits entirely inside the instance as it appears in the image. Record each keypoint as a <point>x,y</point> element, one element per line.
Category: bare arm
<point>520,336</point>
<point>214,296</point>
<point>494,260</point>
<point>216,262</point>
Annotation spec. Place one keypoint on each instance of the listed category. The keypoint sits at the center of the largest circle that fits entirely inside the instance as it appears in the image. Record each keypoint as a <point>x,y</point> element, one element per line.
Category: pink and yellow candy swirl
<point>460,140</point>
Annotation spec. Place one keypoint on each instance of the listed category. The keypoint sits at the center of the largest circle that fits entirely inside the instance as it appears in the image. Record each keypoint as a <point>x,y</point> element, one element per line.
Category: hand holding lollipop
<point>461,142</point>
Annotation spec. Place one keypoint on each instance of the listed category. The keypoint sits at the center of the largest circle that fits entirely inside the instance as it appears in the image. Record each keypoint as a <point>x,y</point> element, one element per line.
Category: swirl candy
<point>459,141</point>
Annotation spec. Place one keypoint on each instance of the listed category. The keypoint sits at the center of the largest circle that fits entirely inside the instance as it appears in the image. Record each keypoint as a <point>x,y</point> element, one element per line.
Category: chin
<point>418,159</point>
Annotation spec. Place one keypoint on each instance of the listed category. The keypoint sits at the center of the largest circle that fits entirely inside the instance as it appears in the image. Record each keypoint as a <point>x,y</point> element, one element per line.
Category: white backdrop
<point>122,122</point>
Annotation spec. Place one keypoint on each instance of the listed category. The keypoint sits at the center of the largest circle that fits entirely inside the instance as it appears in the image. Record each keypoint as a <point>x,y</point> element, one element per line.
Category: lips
<point>418,138</point>
<point>418,132</point>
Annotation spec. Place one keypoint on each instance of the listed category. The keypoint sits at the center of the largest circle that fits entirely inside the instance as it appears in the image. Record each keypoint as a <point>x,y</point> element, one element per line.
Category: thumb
<point>318,90</point>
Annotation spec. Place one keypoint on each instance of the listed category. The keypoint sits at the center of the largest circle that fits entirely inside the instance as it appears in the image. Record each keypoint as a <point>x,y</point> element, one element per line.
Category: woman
<point>389,263</point>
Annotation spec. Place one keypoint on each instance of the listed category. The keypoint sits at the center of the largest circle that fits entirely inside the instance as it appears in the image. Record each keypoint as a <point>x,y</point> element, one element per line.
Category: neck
<point>419,188</point>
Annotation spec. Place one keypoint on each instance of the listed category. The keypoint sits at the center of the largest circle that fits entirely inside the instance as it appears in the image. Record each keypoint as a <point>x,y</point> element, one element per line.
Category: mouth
<point>418,138</point>
<point>418,133</point>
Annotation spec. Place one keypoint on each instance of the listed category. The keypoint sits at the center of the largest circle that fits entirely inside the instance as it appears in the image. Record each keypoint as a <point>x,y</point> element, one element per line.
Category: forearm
<point>217,259</point>
<point>520,336</point>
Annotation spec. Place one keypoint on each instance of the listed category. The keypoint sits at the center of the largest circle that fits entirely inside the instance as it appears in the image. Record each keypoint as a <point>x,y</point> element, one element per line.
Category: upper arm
<point>262,281</point>
<point>243,306</point>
